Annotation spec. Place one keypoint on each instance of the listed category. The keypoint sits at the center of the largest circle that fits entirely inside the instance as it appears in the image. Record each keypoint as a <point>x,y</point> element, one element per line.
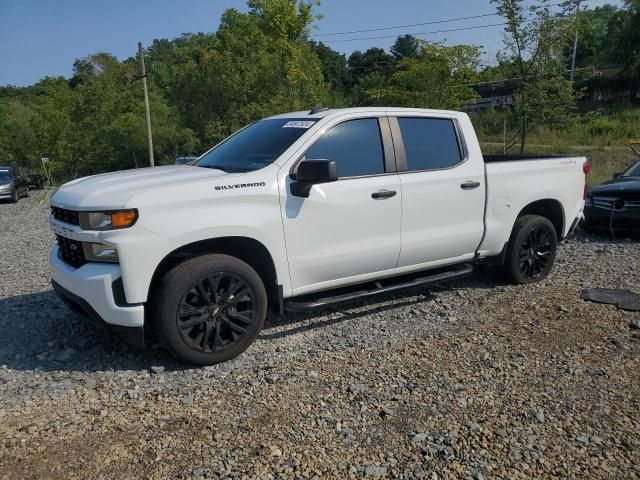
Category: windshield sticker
<point>298,124</point>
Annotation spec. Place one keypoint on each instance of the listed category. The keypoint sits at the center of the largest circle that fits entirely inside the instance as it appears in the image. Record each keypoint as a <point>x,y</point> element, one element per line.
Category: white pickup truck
<point>298,211</point>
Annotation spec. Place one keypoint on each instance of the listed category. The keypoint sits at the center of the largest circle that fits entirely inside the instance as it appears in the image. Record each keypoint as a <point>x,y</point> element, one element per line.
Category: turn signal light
<point>123,218</point>
<point>586,168</point>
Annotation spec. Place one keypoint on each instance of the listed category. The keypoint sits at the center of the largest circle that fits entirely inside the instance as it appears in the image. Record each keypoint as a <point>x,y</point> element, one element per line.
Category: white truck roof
<point>341,111</point>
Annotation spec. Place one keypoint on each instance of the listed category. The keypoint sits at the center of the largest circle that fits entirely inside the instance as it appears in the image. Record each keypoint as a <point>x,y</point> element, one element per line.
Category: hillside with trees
<point>204,86</point>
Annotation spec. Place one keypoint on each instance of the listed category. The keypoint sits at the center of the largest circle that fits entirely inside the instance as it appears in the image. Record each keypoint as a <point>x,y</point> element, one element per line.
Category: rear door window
<point>430,143</point>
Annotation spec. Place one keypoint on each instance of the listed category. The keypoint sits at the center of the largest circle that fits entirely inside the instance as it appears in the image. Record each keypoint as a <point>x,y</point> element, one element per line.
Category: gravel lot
<point>474,379</point>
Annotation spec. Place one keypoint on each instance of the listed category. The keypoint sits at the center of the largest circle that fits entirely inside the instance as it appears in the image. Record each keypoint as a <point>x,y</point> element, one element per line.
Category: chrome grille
<point>615,203</point>
<point>604,202</point>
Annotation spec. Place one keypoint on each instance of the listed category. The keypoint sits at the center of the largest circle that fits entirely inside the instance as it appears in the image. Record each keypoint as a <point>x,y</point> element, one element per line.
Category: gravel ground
<point>474,379</point>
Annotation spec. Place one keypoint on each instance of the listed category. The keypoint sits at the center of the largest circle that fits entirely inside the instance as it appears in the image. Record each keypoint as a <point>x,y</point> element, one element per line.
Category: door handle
<point>384,194</point>
<point>469,185</point>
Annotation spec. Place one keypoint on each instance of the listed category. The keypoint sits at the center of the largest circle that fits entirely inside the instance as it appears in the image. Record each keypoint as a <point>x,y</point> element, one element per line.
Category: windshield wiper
<point>227,169</point>
<point>214,167</point>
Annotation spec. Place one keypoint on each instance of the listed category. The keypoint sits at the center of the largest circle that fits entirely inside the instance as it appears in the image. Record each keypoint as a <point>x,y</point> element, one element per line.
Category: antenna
<point>318,108</point>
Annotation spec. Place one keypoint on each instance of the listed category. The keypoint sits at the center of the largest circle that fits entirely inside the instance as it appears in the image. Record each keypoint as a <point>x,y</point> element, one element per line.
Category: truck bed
<point>514,181</point>
<point>516,158</point>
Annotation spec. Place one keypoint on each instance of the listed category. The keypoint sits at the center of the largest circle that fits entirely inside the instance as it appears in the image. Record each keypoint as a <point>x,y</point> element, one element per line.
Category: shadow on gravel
<point>39,332</point>
<point>305,322</point>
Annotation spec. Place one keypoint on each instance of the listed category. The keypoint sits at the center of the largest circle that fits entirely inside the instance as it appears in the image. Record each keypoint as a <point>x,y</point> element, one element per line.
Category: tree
<point>438,76</point>
<point>534,41</point>
<point>372,61</point>
<point>630,46</point>
<point>599,32</point>
<point>334,66</point>
<point>406,46</point>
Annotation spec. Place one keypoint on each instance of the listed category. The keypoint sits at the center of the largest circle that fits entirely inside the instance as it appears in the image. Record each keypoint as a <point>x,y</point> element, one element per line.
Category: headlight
<point>99,252</point>
<point>108,220</point>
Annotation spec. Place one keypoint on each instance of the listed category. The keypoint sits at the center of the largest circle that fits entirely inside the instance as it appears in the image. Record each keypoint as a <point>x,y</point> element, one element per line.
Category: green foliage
<point>534,49</point>
<point>204,86</point>
<point>406,46</point>
<point>437,76</point>
<point>334,67</point>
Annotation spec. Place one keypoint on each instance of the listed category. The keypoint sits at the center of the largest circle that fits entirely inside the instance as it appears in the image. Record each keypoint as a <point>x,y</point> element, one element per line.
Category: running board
<point>299,306</point>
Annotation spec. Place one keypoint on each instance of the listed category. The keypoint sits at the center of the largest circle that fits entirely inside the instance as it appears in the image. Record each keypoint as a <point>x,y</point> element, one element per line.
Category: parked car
<point>185,160</point>
<point>11,186</point>
<point>35,182</point>
<point>614,206</point>
<point>300,211</point>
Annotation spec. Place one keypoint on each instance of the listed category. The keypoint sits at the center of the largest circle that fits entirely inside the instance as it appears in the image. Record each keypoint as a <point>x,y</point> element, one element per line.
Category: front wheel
<point>209,309</point>
<point>531,250</point>
<point>16,196</point>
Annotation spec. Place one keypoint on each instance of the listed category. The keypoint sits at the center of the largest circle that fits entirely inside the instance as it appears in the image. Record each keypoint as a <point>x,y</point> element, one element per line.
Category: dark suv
<point>11,186</point>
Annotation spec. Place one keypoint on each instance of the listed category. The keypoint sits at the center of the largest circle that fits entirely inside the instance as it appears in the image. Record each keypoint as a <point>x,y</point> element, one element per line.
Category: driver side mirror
<point>313,172</point>
<point>617,175</point>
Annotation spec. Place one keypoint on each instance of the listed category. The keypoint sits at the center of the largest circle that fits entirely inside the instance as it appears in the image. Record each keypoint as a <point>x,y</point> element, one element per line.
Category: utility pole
<point>575,45</point>
<point>146,103</point>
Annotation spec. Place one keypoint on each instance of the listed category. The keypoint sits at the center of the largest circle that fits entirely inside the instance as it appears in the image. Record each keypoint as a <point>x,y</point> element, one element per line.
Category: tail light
<point>586,168</point>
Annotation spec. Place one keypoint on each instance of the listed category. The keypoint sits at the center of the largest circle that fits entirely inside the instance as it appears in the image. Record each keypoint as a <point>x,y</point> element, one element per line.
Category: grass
<point>601,136</point>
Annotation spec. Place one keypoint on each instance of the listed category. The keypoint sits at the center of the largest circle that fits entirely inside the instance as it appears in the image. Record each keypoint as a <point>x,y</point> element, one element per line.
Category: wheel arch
<point>549,208</point>
<point>247,249</point>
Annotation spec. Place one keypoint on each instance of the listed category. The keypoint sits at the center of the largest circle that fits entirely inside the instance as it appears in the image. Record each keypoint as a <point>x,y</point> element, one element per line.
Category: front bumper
<point>607,219</point>
<point>4,194</point>
<point>95,288</point>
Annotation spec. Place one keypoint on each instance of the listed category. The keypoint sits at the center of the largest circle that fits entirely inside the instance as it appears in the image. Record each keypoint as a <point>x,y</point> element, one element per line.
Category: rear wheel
<point>531,250</point>
<point>209,309</point>
<point>26,192</point>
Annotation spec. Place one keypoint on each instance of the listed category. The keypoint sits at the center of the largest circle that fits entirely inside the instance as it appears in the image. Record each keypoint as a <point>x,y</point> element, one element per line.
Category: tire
<point>26,193</point>
<point>16,196</point>
<point>202,328</point>
<point>531,250</point>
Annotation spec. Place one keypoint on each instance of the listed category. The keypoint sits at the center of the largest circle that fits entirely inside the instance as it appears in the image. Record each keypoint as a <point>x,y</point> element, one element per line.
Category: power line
<point>417,33</point>
<point>405,26</point>
<point>433,22</point>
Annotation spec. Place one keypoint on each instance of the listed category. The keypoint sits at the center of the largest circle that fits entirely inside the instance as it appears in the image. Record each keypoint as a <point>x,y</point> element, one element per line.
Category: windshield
<point>5,175</point>
<point>255,146</point>
<point>634,171</point>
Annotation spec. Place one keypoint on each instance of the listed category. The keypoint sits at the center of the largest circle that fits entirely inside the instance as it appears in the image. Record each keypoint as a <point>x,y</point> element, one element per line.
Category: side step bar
<point>300,306</point>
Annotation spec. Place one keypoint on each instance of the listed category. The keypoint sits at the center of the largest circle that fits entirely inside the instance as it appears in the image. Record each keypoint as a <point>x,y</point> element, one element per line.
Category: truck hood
<point>111,190</point>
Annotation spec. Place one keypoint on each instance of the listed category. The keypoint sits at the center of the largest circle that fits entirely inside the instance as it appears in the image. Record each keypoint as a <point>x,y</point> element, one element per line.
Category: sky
<point>44,37</point>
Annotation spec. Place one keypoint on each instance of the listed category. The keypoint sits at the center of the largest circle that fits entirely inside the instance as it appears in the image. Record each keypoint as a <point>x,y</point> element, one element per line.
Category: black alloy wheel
<point>209,308</point>
<point>215,312</point>
<point>531,250</point>
<point>535,253</point>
